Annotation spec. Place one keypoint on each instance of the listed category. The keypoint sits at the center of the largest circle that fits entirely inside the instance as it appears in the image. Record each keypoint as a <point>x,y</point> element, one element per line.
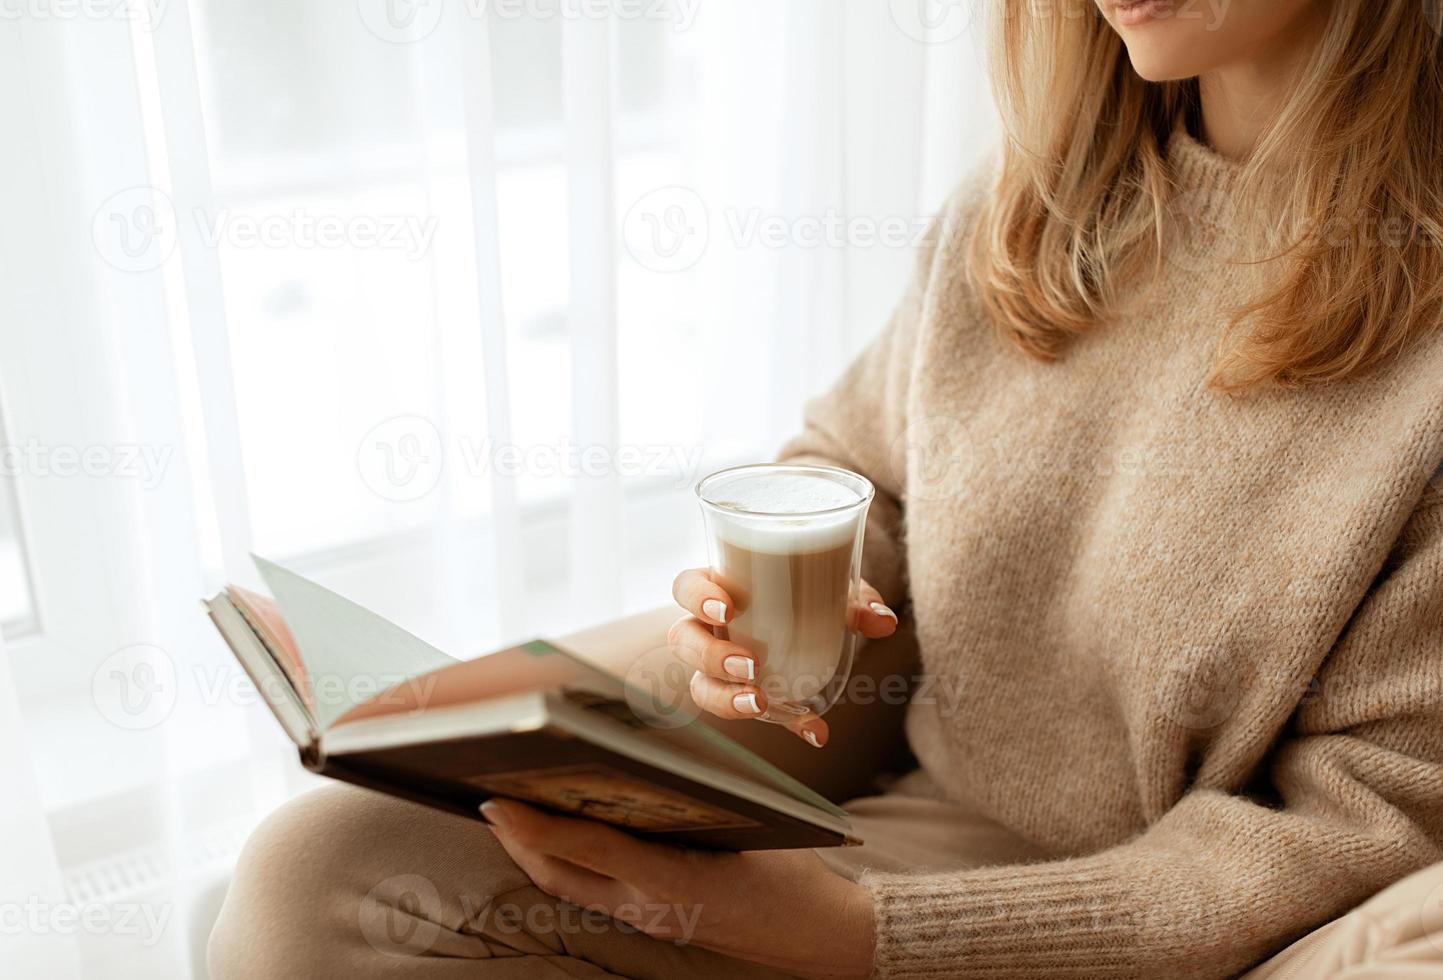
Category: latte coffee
<point>786,545</point>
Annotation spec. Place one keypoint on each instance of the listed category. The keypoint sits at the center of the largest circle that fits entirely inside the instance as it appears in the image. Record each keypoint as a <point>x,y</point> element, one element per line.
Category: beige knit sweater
<point>1188,645</point>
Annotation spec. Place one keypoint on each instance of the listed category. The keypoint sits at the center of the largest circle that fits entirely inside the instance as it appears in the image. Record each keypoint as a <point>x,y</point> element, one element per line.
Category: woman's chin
<point>1163,63</point>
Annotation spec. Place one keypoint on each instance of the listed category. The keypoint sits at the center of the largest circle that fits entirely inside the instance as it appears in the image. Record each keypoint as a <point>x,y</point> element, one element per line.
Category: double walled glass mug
<point>785,541</point>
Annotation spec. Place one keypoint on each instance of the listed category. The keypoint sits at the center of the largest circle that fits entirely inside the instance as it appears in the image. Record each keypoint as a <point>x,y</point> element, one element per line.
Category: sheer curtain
<point>447,303</point>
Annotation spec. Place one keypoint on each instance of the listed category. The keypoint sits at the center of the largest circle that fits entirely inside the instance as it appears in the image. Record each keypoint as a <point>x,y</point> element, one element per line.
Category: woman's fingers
<point>725,699</point>
<point>872,617</point>
<point>697,647</point>
<point>695,592</point>
<point>599,855</point>
<point>728,673</point>
<point>725,683</point>
<point>808,727</point>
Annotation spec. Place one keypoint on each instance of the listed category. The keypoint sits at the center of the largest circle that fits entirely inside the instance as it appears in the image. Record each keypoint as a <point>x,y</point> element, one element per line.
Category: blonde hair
<point>1080,209</point>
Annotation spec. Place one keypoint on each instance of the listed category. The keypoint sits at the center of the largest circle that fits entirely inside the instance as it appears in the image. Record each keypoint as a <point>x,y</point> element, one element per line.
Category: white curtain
<point>445,302</point>
<point>29,874</point>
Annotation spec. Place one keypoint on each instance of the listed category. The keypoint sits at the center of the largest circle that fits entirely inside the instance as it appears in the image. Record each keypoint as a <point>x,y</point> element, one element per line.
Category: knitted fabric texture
<point>1187,644</point>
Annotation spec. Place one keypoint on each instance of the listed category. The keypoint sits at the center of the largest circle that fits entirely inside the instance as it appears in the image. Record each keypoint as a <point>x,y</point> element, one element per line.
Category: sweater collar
<point>1206,181</point>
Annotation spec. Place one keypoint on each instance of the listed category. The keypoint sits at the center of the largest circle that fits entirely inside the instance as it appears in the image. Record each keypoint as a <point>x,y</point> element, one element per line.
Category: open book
<point>368,703</point>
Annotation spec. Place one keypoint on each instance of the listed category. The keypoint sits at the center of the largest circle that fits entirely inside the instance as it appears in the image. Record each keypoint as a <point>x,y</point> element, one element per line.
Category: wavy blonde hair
<point>1080,209</point>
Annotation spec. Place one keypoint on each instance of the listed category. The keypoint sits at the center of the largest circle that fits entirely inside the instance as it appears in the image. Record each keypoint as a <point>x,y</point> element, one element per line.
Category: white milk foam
<point>781,494</point>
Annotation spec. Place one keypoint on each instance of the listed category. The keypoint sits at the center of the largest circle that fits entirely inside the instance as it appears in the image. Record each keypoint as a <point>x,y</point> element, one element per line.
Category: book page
<point>350,653</point>
<point>265,620</point>
<point>534,666</point>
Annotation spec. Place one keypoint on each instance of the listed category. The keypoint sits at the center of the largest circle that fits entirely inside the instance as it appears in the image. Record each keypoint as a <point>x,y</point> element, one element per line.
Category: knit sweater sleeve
<point>857,423</point>
<point>1350,801</point>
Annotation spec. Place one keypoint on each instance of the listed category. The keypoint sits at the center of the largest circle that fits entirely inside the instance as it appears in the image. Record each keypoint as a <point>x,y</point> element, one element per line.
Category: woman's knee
<point>1395,934</point>
<point>339,877</point>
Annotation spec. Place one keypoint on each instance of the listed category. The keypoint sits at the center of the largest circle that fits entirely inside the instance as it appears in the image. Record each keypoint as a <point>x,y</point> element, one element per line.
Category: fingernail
<point>715,610</point>
<point>495,814</point>
<point>811,738</point>
<point>883,610</point>
<point>746,704</point>
<point>742,667</point>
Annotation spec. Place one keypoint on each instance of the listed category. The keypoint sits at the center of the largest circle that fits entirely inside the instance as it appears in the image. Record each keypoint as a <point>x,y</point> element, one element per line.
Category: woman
<point>1154,435</point>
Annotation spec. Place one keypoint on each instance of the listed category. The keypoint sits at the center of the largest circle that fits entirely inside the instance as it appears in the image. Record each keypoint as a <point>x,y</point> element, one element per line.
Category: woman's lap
<point>346,883</point>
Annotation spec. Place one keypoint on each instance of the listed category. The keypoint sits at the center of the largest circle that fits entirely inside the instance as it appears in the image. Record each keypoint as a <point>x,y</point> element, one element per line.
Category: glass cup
<point>785,541</point>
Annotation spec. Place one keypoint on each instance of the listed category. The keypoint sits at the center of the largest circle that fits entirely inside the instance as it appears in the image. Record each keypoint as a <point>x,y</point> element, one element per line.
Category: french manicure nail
<point>746,704</point>
<point>743,668</point>
<point>883,610</point>
<point>811,738</point>
<point>715,610</point>
<point>495,815</point>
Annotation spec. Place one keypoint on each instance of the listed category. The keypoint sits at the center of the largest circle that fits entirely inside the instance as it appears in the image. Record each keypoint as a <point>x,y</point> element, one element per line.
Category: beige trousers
<point>348,884</point>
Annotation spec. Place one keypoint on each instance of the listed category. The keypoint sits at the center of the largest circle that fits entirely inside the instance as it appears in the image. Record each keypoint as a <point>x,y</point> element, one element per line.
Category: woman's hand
<point>783,909</point>
<point>726,673</point>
